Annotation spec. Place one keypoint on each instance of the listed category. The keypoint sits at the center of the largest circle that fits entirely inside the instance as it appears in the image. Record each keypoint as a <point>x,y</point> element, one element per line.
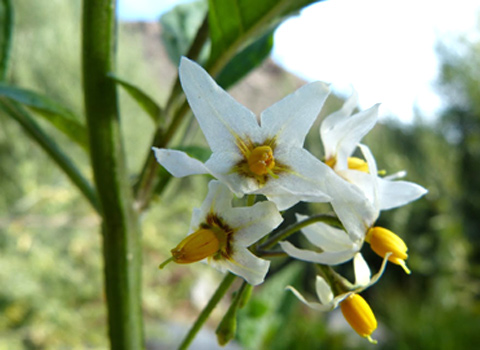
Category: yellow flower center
<point>355,163</point>
<point>383,241</point>
<point>261,161</point>
<point>359,315</point>
<point>197,246</point>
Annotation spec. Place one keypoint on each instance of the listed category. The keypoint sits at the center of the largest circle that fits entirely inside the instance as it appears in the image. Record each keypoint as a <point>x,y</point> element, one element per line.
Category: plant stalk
<point>120,227</point>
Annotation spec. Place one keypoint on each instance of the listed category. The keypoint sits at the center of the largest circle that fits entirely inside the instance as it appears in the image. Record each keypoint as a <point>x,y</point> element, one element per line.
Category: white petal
<point>362,271</point>
<point>331,130</point>
<point>393,194</point>
<point>327,237</point>
<point>290,119</point>
<point>248,266</point>
<point>306,178</point>
<point>220,117</point>
<point>219,198</point>
<point>326,258</point>
<point>252,223</point>
<point>353,209</point>
<point>178,163</point>
<point>311,304</point>
<point>376,277</point>
<point>351,132</point>
<point>324,291</point>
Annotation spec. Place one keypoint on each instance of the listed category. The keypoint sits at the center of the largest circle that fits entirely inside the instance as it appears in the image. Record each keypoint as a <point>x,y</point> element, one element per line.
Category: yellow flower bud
<point>355,163</point>
<point>383,241</point>
<point>197,246</point>
<point>261,161</point>
<point>359,315</point>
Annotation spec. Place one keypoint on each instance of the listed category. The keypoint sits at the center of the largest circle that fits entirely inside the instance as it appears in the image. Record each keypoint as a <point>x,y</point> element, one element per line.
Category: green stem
<point>214,300</point>
<point>288,231</point>
<point>120,227</point>
<point>6,43</point>
<point>28,123</point>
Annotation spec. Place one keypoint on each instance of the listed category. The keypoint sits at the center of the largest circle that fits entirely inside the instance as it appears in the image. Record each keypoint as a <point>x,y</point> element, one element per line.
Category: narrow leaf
<point>27,122</point>
<point>59,116</point>
<point>143,100</point>
<point>245,61</point>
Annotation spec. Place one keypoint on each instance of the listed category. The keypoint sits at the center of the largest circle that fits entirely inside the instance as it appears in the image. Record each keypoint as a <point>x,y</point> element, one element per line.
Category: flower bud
<point>359,315</point>
<point>197,246</point>
<point>383,241</point>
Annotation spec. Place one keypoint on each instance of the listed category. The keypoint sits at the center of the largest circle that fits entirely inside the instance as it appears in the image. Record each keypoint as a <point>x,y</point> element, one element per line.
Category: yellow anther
<point>261,161</point>
<point>197,246</point>
<point>331,162</point>
<point>359,315</point>
<point>355,163</point>
<point>383,241</point>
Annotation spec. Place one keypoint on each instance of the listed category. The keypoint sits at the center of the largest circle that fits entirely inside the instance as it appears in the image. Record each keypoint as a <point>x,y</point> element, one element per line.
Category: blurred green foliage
<point>50,259</point>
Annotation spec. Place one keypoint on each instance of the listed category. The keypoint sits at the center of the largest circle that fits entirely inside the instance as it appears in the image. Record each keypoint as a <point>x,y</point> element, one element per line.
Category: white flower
<point>220,234</point>
<point>251,155</point>
<point>327,300</point>
<point>341,132</point>
<point>357,206</point>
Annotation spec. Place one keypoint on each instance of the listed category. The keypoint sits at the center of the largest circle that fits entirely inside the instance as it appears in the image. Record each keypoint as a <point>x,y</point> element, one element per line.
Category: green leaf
<point>6,30</point>
<point>233,23</point>
<point>59,116</point>
<point>29,125</point>
<point>249,58</point>
<point>179,28</point>
<point>143,100</point>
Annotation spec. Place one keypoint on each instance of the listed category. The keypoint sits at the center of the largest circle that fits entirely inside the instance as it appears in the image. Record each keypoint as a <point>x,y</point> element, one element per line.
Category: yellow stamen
<point>261,161</point>
<point>383,241</point>
<point>331,162</point>
<point>197,246</point>
<point>355,163</point>
<point>359,315</point>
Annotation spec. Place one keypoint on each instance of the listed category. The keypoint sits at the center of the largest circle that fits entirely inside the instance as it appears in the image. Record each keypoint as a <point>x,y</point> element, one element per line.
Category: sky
<point>384,49</point>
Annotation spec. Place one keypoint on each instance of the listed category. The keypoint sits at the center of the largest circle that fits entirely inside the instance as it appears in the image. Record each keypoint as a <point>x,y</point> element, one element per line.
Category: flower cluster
<point>265,155</point>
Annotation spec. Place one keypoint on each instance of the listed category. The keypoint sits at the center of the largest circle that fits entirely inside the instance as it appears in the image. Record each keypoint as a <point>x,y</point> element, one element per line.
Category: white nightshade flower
<point>254,155</point>
<point>357,206</point>
<point>327,300</point>
<point>220,235</point>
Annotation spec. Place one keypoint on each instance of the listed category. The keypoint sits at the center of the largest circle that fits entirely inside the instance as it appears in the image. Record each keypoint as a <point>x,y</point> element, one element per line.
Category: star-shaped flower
<point>341,133</point>
<point>358,205</point>
<point>253,155</point>
<point>220,234</point>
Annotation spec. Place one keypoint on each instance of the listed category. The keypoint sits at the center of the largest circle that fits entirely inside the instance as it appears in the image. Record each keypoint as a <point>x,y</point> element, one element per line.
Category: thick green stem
<point>214,300</point>
<point>6,40</point>
<point>121,234</point>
